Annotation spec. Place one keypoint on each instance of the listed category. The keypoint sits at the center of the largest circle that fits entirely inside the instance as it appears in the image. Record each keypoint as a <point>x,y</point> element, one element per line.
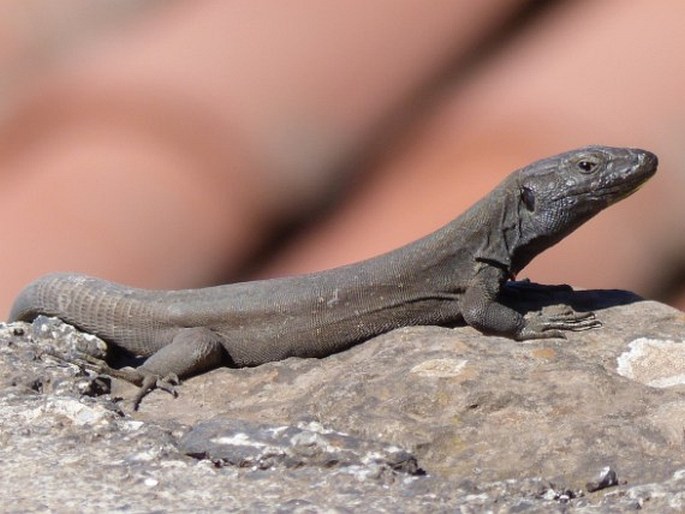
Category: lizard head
<point>558,194</point>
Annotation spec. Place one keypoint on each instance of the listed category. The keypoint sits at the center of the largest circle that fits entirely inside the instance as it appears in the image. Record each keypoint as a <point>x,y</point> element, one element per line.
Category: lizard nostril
<point>646,159</point>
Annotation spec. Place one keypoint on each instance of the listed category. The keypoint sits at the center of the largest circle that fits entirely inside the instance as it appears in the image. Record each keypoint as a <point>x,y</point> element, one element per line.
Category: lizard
<point>455,275</point>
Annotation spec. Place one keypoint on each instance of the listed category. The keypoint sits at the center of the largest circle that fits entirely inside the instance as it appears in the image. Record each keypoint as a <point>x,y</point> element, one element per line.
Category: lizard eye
<point>586,166</point>
<point>528,198</point>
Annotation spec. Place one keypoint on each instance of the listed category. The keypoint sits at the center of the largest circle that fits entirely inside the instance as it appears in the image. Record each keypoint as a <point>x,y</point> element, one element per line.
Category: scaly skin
<point>453,275</point>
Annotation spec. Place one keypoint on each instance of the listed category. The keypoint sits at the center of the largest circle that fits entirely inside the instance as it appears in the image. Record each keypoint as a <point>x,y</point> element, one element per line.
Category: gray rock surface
<point>423,419</point>
<point>245,444</point>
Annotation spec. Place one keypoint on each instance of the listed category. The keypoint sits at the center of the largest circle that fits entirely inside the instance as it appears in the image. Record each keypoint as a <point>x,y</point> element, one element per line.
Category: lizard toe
<point>151,382</point>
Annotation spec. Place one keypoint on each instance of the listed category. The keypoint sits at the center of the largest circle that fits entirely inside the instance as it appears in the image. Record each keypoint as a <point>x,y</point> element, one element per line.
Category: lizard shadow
<point>525,296</point>
<point>119,358</point>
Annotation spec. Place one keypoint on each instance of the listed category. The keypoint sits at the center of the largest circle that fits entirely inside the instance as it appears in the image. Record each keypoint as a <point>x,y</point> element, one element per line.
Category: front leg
<point>480,308</point>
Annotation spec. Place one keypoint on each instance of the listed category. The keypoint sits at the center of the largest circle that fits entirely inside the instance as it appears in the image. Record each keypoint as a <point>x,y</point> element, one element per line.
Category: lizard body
<point>452,275</point>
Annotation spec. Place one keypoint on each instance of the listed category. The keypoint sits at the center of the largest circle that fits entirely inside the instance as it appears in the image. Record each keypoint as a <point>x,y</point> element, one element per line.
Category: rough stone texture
<point>246,444</point>
<point>495,424</point>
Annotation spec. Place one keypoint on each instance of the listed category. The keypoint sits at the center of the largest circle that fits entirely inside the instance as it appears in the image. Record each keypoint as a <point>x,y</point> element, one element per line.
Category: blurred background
<point>169,144</point>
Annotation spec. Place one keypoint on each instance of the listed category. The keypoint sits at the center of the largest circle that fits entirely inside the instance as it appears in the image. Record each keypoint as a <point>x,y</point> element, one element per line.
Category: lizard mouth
<point>637,177</point>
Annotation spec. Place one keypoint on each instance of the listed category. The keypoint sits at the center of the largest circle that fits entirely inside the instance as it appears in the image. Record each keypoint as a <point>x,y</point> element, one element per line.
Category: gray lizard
<point>453,275</point>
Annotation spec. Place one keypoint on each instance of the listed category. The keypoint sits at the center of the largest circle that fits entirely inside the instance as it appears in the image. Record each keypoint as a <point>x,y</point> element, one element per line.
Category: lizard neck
<point>488,233</point>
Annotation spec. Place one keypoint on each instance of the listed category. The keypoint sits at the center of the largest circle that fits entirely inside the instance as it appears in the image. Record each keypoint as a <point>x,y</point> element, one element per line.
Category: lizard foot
<point>147,381</point>
<point>540,326</point>
<point>151,382</point>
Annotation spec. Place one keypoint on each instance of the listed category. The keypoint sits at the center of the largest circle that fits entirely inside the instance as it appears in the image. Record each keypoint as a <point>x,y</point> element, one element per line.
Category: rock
<point>56,346</point>
<point>606,478</point>
<point>247,444</point>
<point>496,424</point>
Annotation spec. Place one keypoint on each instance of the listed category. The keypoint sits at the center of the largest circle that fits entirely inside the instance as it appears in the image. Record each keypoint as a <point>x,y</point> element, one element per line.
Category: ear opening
<point>528,198</point>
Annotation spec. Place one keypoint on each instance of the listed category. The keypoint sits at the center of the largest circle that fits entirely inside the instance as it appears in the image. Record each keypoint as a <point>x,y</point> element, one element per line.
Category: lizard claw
<point>168,384</point>
<point>567,314</point>
<point>146,381</point>
<point>543,326</point>
<point>151,382</point>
